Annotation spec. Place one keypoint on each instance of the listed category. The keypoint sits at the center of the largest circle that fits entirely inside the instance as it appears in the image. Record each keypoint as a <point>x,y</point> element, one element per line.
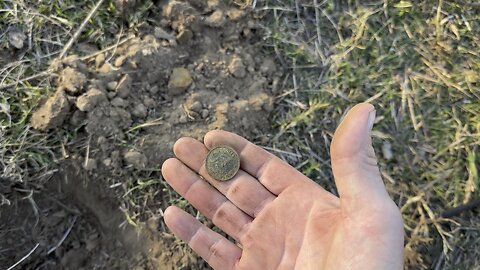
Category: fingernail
<point>371,119</point>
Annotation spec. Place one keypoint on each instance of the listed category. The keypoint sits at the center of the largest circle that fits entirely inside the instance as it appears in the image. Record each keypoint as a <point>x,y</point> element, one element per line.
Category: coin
<point>222,163</point>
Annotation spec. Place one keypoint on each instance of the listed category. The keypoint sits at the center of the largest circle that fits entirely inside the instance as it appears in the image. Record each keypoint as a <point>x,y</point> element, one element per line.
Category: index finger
<point>275,174</point>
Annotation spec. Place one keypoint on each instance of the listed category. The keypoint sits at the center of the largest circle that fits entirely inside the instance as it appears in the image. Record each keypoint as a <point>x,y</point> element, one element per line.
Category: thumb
<point>354,163</point>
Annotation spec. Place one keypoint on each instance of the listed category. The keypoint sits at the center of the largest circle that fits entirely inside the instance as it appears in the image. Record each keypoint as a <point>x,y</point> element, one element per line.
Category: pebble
<point>99,60</point>
<point>119,102</point>
<point>16,38</point>
<point>107,162</point>
<point>237,68</point>
<point>111,86</point>
<point>140,111</point>
<point>213,4</point>
<point>90,164</point>
<point>154,89</point>
<point>268,67</point>
<point>105,68</point>
<point>196,106</point>
<point>136,159</point>
<point>77,118</point>
<point>180,80</point>
<point>217,19</point>
<point>204,113</point>
<point>235,14</point>
<point>120,61</point>
<point>149,102</point>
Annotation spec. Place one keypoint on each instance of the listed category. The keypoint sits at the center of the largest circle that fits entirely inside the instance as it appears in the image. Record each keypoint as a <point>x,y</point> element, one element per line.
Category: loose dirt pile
<point>198,68</point>
<point>200,71</point>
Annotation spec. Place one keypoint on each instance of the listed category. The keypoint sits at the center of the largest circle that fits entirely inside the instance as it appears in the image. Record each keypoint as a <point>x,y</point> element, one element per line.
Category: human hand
<point>281,219</point>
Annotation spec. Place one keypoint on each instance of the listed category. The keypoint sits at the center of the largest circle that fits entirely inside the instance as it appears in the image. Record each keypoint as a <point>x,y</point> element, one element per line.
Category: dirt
<point>199,68</point>
<point>77,224</point>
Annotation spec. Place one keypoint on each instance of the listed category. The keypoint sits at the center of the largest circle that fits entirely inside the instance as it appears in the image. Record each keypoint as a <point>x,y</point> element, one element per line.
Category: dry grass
<point>419,65</point>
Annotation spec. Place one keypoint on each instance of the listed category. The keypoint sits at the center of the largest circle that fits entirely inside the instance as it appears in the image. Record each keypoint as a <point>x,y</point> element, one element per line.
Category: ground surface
<point>82,144</point>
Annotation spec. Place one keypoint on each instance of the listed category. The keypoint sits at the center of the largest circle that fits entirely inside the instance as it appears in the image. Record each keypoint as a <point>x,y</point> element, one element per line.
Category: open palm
<point>281,219</point>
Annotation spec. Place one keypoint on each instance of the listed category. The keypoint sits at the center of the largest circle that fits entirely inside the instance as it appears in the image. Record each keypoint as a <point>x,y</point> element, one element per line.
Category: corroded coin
<point>222,163</point>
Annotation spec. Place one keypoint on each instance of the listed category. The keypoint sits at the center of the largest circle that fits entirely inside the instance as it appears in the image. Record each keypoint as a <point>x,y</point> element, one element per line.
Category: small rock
<point>78,118</point>
<point>140,111</point>
<point>153,90</point>
<point>90,164</point>
<point>107,162</point>
<point>16,38</point>
<point>52,113</point>
<point>124,86</point>
<point>179,81</point>
<point>387,150</point>
<point>111,86</point>
<point>237,68</point>
<point>149,102</point>
<point>72,80</point>
<point>268,67</point>
<point>99,60</point>
<point>212,4</point>
<point>111,95</point>
<point>159,33</point>
<point>105,68</point>
<point>90,99</point>
<point>217,19</point>
<point>184,36</point>
<point>196,106</point>
<point>120,61</point>
<point>119,102</point>
<point>137,159</point>
<point>235,14</point>
<point>204,113</point>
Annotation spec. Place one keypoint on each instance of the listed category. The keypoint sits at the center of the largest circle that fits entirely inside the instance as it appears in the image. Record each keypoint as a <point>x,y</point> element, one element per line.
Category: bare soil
<point>200,69</point>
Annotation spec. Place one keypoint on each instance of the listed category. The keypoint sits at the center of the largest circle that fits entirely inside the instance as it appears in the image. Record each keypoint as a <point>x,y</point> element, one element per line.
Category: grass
<point>418,63</point>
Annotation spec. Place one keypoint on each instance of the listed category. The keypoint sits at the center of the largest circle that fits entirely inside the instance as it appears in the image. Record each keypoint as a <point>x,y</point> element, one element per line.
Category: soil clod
<point>137,159</point>
<point>16,38</point>
<point>52,113</point>
<point>180,80</point>
<point>90,99</point>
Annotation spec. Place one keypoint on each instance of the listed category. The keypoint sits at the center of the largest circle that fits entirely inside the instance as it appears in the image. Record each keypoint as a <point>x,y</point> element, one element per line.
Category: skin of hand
<point>279,218</point>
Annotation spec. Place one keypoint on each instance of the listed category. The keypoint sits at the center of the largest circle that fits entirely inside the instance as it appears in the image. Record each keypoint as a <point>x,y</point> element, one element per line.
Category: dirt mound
<point>194,74</point>
<point>200,68</point>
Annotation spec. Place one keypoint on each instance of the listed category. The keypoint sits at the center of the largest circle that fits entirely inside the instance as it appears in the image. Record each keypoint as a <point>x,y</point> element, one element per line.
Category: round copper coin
<point>222,163</point>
